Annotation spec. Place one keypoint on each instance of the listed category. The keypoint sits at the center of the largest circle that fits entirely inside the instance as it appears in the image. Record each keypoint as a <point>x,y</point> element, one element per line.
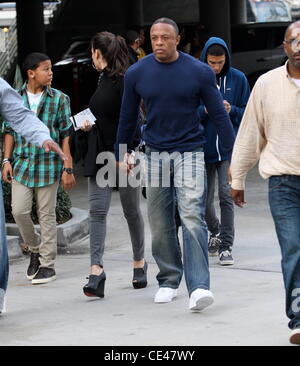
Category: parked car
<point>75,76</point>
<point>80,48</point>
<point>257,48</point>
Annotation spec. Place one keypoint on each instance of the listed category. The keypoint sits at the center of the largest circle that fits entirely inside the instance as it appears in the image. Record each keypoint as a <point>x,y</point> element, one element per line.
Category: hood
<point>219,41</point>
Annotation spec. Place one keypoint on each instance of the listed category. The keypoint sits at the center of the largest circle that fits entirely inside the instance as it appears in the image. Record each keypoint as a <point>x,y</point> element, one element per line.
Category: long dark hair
<point>114,50</point>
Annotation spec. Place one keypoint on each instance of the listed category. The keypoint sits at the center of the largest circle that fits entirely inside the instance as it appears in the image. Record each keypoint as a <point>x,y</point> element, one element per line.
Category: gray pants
<point>100,198</point>
<point>226,226</point>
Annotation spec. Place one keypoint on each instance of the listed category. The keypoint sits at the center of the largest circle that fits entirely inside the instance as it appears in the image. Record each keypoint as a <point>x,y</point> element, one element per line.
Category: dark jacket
<point>234,88</point>
<point>105,105</point>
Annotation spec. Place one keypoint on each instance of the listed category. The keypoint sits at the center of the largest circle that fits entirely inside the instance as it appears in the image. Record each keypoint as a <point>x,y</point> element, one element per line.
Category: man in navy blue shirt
<point>171,85</point>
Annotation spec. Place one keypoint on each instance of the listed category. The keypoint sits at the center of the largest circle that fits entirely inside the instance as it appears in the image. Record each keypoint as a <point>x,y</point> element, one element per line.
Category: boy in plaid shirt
<point>33,171</point>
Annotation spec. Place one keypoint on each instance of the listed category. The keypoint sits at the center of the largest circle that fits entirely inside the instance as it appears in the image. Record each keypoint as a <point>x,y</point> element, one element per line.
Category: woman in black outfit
<point>110,58</point>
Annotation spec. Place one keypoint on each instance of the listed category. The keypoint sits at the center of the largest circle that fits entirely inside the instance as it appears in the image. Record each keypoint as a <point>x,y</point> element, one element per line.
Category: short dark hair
<point>33,60</point>
<point>168,21</point>
<point>216,50</point>
<point>131,36</point>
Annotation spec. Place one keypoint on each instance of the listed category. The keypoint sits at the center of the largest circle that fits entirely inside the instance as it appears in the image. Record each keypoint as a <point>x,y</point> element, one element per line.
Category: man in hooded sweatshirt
<point>234,88</point>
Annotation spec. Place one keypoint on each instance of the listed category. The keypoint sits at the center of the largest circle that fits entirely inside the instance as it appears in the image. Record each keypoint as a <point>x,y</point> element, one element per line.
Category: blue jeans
<point>190,192</point>
<point>225,226</point>
<point>3,251</point>
<point>284,200</point>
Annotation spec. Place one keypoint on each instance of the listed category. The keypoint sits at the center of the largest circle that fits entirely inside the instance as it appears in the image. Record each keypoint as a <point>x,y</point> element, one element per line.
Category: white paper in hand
<point>79,118</point>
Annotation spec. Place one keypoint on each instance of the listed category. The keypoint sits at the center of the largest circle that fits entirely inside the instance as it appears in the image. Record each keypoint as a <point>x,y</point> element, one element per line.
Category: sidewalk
<point>249,296</point>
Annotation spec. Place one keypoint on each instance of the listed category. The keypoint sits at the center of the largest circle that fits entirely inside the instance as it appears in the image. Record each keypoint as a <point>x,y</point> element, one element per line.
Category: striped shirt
<point>32,166</point>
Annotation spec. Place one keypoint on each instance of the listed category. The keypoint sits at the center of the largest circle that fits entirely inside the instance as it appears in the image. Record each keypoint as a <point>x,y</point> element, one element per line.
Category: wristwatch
<point>68,170</point>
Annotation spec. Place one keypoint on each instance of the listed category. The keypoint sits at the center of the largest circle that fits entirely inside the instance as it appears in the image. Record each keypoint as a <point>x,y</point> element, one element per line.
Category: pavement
<point>249,307</point>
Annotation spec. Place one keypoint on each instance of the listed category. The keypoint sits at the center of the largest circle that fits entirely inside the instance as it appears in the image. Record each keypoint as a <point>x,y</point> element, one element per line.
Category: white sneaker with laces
<point>165,294</point>
<point>200,299</point>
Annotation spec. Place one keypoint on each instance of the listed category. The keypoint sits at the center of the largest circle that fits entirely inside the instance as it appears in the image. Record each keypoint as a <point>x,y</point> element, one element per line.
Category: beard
<point>296,63</point>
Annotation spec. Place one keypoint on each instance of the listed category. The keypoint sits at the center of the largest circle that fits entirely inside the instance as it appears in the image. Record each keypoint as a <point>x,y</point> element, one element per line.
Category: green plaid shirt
<point>32,166</point>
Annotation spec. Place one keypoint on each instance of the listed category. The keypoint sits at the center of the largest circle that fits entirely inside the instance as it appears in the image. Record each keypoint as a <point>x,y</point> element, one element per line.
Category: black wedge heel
<point>95,286</point>
<point>140,277</point>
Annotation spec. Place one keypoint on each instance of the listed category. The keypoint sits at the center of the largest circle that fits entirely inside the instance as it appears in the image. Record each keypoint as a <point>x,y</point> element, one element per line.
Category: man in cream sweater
<point>270,133</point>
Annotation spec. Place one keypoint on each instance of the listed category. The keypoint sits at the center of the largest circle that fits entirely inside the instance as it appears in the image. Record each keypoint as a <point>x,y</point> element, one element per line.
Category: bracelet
<point>5,160</point>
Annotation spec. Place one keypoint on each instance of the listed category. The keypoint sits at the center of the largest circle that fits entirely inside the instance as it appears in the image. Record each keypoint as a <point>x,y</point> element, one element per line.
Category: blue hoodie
<point>234,88</point>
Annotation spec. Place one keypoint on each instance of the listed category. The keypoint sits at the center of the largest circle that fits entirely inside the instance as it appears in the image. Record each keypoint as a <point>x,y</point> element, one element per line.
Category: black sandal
<point>95,286</point>
<point>140,277</point>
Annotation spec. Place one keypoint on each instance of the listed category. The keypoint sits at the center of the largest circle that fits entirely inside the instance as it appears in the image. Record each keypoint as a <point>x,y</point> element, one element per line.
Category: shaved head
<point>167,21</point>
<point>292,28</point>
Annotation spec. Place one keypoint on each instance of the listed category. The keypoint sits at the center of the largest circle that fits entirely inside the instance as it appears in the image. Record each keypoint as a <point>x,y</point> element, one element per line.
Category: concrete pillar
<point>238,11</point>
<point>215,16</point>
<point>30,28</point>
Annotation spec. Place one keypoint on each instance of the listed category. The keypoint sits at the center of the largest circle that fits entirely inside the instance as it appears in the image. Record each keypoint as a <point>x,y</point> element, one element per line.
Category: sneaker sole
<point>295,338</point>
<point>30,278</point>
<point>213,254</point>
<point>42,281</point>
<point>202,303</point>
<point>164,302</point>
<point>226,263</point>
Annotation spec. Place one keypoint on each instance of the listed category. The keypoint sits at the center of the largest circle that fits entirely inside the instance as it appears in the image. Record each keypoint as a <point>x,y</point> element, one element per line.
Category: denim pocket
<point>276,181</point>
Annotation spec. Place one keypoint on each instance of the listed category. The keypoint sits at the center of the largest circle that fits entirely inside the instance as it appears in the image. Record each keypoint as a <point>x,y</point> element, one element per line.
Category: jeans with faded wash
<point>181,179</point>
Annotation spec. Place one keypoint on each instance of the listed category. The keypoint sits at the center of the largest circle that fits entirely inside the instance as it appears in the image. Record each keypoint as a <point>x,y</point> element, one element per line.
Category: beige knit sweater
<point>270,129</point>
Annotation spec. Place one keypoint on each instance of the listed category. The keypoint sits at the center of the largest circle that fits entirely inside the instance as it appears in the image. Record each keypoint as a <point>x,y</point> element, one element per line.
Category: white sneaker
<point>165,294</point>
<point>200,299</point>
<point>2,305</point>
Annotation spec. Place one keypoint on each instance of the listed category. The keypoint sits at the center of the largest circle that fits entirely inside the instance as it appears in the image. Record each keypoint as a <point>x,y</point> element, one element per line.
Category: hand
<point>127,165</point>
<point>68,181</point>
<point>123,167</point>
<point>87,126</point>
<point>238,197</point>
<point>227,106</point>
<point>7,173</point>
<point>53,146</point>
<point>129,160</point>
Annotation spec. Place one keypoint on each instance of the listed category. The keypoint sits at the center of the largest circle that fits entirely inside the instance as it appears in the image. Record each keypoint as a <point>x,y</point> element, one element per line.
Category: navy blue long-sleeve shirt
<point>171,93</point>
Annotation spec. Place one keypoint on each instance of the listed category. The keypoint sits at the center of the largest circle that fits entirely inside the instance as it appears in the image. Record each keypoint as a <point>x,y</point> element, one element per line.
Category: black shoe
<point>95,286</point>
<point>33,265</point>
<point>225,258</point>
<point>44,275</point>
<point>213,245</point>
<point>140,277</point>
